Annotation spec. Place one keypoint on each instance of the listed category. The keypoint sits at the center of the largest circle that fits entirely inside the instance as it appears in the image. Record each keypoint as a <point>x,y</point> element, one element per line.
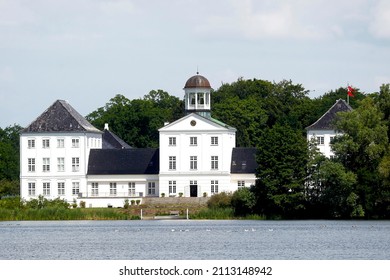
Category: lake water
<point>195,240</point>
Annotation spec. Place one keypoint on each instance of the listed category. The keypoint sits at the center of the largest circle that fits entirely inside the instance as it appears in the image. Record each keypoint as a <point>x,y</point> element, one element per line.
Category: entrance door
<point>194,190</point>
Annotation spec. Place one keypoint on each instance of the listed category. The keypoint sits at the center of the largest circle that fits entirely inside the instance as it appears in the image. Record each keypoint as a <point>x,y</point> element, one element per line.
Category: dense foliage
<point>294,179</point>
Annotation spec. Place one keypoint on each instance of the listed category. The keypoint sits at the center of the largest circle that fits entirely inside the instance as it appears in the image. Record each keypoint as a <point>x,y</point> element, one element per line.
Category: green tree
<point>362,149</point>
<point>281,173</point>
<point>9,152</point>
<point>137,121</point>
<point>243,201</point>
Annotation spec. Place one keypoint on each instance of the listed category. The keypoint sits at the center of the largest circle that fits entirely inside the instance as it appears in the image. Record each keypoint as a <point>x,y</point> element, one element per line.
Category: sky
<point>88,51</point>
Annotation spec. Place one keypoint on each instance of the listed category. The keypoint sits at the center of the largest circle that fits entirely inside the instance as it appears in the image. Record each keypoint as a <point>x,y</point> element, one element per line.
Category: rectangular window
<point>75,164</point>
<point>193,141</point>
<point>75,143</point>
<point>172,163</point>
<point>113,189</point>
<point>214,141</point>
<point>240,184</point>
<point>61,188</point>
<point>76,188</point>
<point>331,139</point>
<point>131,188</point>
<point>320,140</point>
<point>46,188</point>
<point>193,162</point>
<point>45,143</point>
<point>172,141</point>
<point>151,188</point>
<point>31,143</point>
<point>214,186</point>
<point>60,143</point>
<point>214,162</point>
<point>31,165</point>
<point>95,189</point>
<point>46,164</point>
<point>60,164</point>
<point>172,187</point>
<point>31,189</point>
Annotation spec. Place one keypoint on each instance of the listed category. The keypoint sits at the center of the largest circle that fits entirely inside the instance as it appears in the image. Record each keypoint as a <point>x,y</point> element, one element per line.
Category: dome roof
<point>197,81</point>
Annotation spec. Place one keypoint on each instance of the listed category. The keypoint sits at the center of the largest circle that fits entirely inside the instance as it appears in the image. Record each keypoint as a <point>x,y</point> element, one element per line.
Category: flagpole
<point>347,94</point>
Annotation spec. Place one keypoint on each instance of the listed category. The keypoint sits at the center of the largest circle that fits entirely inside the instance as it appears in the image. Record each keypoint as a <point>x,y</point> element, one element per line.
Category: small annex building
<point>323,130</point>
<point>63,156</point>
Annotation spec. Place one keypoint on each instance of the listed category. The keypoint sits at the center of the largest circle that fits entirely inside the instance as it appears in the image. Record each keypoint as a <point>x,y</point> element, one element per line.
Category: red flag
<point>351,91</point>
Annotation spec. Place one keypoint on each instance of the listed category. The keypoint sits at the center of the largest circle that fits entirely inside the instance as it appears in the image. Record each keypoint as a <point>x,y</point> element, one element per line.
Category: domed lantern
<point>197,95</point>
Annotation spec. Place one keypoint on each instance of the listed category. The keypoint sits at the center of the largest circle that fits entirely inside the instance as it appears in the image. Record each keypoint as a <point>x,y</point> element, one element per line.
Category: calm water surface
<point>195,240</point>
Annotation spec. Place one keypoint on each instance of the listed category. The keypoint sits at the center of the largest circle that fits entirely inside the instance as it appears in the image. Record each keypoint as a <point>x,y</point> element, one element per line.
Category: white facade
<point>323,139</point>
<point>55,164</point>
<point>195,156</point>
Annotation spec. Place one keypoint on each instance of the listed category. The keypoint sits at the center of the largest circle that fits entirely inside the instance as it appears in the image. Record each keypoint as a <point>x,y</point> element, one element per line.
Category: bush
<point>220,200</point>
<point>243,201</point>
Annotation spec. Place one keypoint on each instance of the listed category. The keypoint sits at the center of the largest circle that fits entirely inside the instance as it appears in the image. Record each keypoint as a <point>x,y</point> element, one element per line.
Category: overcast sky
<point>87,51</point>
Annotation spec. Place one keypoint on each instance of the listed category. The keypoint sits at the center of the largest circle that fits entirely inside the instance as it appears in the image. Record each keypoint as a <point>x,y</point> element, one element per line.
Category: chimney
<point>106,126</point>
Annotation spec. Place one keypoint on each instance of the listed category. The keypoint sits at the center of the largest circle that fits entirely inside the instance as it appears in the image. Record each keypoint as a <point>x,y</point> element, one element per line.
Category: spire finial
<point>197,70</point>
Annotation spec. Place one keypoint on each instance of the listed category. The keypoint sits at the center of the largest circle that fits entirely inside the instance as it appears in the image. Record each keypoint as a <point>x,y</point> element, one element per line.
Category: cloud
<point>380,24</point>
<point>14,13</point>
<point>298,19</point>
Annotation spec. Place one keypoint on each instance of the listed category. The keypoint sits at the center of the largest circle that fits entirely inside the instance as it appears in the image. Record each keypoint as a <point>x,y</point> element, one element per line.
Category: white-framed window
<point>331,138</point>
<point>200,98</point>
<point>172,187</point>
<point>61,188</point>
<point>75,164</point>
<point>95,189</point>
<point>172,141</point>
<point>214,162</point>
<point>31,143</point>
<point>60,164</point>
<point>113,189</point>
<point>172,163</point>
<point>45,143</point>
<point>31,165</point>
<point>76,188</point>
<point>60,143</point>
<point>193,162</point>
<point>240,184</point>
<point>151,188</point>
<point>320,140</point>
<point>46,164</point>
<point>193,141</point>
<point>31,189</point>
<point>131,188</point>
<point>214,140</point>
<point>75,143</point>
<point>46,188</point>
<point>214,186</point>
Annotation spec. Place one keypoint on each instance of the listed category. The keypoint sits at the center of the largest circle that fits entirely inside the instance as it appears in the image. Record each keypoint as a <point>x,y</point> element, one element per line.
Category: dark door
<point>193,190</point>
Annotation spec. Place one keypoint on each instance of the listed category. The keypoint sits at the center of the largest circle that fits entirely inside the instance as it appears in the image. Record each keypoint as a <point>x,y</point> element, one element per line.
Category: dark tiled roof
<point>243,160</point>
<point>112,141</point>
<point>123,161</point>
<point>60,117</point>
<point>327,119</point>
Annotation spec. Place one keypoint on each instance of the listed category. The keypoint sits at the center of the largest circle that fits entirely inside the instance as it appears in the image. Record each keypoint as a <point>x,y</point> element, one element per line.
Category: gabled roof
<point>326,122</point>
<point>123,161</point>
<point>243,160</point>
<point>209,120</point>
<point>60,117</point>
<point>111,141</point>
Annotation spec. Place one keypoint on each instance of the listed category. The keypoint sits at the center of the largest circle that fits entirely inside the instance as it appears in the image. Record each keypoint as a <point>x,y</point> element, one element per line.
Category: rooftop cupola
<point>197,95</point>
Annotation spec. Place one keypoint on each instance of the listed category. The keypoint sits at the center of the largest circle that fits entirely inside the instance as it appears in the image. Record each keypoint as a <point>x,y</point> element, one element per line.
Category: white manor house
<point>63,156</point>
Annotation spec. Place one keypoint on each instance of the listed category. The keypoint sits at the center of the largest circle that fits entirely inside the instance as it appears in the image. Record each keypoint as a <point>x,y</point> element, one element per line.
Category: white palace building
<point>63,156</point>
